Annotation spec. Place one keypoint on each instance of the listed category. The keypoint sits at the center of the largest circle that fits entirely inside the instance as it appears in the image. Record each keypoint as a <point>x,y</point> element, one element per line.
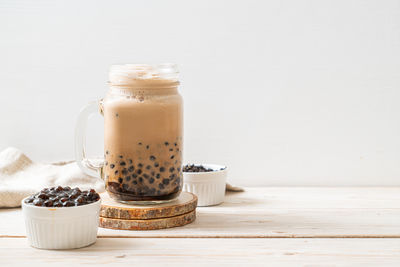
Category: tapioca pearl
<point>172,169</point>
<point>131,169</point>
<point>106,163</point>
<point>146,176</point>
<point>124,171</point>
<point>151,180</point>
<point>134,175</point>
<point>162,169</point>
<point>112,166</point>
<point>107,152</point>
<point>122,163</point>
<point>134,182</point>
<point>158,176</point>
<point>158,192</point>
<point>153,173</point>
<point>127,178</point>
<point>172,176</point>
<point>130,161</point>
<point>172,157</point>
<point>140,179</point>
<point>140,165</point>
<point>140,143</point>
<point>116,172</point>
<point>125,186</point>
<point>166,143</point>
<point>148,167</point>
<point>120,156</point>
<point>147,147</point>
<point>139,171</point>
<point>171,149</point>
<point>152,158</point>
<point>161,186</point>
<point>165,181</point>
<point>156,164</point>
<point>120,180</point>
<point>178,169</point>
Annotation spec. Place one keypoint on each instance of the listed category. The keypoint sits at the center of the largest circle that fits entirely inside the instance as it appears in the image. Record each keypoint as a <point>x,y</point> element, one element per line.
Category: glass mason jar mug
<point>143,119</point>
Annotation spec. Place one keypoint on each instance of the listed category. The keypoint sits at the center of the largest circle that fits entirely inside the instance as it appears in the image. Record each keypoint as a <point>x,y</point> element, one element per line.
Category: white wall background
<point>283,92</point>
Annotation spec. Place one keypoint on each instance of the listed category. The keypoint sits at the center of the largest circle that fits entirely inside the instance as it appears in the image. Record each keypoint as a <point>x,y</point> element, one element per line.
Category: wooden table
<point>262,226</point>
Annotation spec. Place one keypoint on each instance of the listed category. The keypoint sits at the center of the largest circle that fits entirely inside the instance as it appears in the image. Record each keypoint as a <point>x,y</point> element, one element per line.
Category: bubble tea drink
<point>142,134</point>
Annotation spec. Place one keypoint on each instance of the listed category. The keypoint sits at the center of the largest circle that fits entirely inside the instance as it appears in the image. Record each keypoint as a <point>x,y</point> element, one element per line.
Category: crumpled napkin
<point>21,177</point>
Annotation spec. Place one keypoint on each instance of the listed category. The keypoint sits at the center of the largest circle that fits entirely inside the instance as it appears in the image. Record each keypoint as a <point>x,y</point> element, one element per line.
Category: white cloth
<point>21,177</point>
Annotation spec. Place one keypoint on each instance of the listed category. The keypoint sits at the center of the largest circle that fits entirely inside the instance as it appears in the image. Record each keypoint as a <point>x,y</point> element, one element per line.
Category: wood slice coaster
<point>152,224</point>
<point>117,215</point>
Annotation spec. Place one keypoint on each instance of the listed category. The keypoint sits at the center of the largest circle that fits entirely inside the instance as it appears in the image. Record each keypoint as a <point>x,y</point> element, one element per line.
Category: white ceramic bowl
<point>209,187</point>
<point>61,228</point>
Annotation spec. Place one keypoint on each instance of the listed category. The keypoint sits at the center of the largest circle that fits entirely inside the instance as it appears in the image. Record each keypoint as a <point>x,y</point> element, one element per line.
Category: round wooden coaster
<point>152,224</point>
<point>185,203</point>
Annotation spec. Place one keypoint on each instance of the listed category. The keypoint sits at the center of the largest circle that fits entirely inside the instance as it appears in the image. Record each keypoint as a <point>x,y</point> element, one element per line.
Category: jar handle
<point>92,167</point>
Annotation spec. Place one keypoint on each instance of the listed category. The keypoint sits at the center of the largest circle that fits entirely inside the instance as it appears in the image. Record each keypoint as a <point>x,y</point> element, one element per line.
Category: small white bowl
<point>209,187</point>
<point>61,227</point>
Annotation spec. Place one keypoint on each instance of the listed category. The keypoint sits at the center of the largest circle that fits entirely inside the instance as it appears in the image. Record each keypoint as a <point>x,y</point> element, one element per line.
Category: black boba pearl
<point>156,164</point>
<point>152,158</point>
<point>148,167</point>
<point>140,165</point>
<point>161,186</point>
<point>124,171</point>
<point>130,161</point>
<point>175,144</point>
<point>151,180</point>
<point>120,156</point>
<point>172,176</point>
<point>122,163</point>
<point>166,143</point>
<point>140,179</point>
<point>120,180</point>
<point>153,173</point>
<point>147,147</point>
<point>139,171</point>
<point>127,178</point>
<point>162,169</point>
<point>38,202</point>
<point>171,169</point>
<point>107,152</point>
<point>112,166</point>
<point>178,180</point>
<point>140,143</point>
<point>165,181</point>
<point>172,157</point>
<point>158,192</point>
<point>158,176</point>
<point>134,182</point>
<point>179,169</point>
<point>131,168</point>
<point>116,172</point>
<point>146,176</point>
<point>125,186</point>
<point>171,149</point>
<point>43,196</point>
<point>134,175</point>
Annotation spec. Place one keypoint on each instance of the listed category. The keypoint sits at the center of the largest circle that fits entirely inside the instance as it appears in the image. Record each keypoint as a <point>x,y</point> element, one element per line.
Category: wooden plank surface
<point>210,252</point>
<point>275,212</point>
